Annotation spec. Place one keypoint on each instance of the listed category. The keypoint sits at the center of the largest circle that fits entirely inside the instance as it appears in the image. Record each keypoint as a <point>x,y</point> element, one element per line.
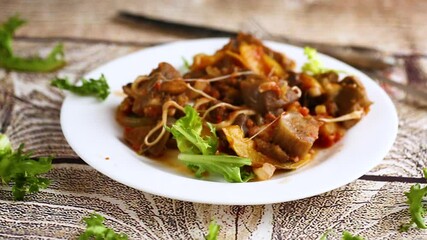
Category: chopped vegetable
<point>95,229</point>
<point>314,65</point>
<point>213,231</point>
<point>187,64</point>
<point>93,87</point>
<point>416,209</point>
<point>244,147</point>
<point>230,167</point>
<point>19,169</point>
<point>198,152</point>
<point>8,60</point>
<point>264,172</point>
<point>261,108</point>
<point>187,132</point>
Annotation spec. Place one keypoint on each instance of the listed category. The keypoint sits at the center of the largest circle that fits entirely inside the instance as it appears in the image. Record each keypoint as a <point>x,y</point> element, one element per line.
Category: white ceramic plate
<point>90,129</point>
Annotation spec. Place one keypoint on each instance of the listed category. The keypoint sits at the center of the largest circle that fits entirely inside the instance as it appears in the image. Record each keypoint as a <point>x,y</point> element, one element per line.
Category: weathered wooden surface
<point>389,24</point>
<point>372,209</point>
<point>30,109</point>
<point>373,206</point>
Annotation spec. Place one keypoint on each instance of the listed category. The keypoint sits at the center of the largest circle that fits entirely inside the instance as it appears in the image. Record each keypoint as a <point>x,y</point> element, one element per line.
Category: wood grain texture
<point>374,210</point>
<point>387,24</point>
<point>30,111</point>
<point>30,114</point>
<point>409,154</point>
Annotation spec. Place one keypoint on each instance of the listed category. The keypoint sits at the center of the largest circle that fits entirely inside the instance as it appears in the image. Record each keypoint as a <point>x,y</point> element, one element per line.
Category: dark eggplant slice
<point>295,134</point>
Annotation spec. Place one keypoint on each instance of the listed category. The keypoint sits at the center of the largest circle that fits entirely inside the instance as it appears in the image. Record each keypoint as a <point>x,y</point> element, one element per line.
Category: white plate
<point>90,129</point>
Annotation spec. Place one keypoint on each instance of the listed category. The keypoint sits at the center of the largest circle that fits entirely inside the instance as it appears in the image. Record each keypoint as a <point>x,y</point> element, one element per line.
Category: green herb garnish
<point>19,169</point>
<point>348,236</point>
<point>213,231</point>
<point>314,66</point>
<point>9,61</point>
<point>92,87</point>
<point>230,167</point>
<point>186,65</point>
<point>188,134</point>
<point>199,152</point>
<point>95,229</point>
<point>416,209</point>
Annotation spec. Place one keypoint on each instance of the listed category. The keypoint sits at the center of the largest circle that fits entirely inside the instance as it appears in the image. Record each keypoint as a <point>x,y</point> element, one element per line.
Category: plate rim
<point>229,201</point>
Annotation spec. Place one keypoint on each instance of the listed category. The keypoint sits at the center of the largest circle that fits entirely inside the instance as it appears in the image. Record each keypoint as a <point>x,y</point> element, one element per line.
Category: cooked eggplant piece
<point>271,150</point>
<point>295,134</point>
<point>135,138</point>
<point>351,97</point>
<point>264,101</point>
<point>241,122</point>
<point>167,71</point>
<point>151,91</point>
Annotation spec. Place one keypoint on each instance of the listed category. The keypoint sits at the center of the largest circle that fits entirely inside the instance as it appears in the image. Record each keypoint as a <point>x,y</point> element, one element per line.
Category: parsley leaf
<point>92,87</point>
<point>416,209</point>
<point>19,169</point>
<point>95,229</point>
<point>9,61</point>
<point>213,231</point>
<point>199,152</point>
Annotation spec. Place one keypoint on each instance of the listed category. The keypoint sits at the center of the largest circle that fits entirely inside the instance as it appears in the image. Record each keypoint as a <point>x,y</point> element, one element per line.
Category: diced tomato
<point>304,111</point>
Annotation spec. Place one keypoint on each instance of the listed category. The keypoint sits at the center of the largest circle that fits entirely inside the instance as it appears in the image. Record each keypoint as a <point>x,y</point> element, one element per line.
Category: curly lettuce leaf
<point>198,149</point>
<point>213,231</point>
<point>93,87</point>
<point>314,66</point>
<point>95,229</point>
<point>416,209</point>
<point>188,134</point>
<point>20,170</point>
<point>230,167</point>
<point>9,61</point>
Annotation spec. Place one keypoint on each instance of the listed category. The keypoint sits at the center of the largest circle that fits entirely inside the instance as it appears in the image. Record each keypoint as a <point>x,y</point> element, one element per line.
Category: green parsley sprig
<point>213,231</point>
<point>95,229</point>
<point>8,60</point>
<point>416,209</point>
<point>20,170</point>
<point>93,87</point>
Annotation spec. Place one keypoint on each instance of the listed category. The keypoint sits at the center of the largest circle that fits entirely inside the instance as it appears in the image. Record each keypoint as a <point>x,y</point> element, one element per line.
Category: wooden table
<point>373,206</point>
